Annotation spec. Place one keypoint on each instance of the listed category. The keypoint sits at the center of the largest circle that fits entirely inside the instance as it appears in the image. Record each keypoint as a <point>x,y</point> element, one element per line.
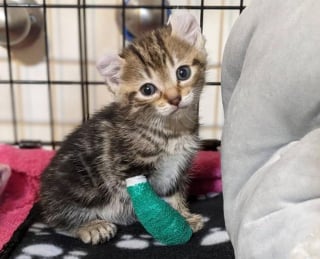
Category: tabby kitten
<point>150,129</point>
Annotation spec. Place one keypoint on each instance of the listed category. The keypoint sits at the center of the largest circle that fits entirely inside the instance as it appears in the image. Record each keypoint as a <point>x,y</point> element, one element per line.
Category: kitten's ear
<point>185,26</point>
<point>110,67</point>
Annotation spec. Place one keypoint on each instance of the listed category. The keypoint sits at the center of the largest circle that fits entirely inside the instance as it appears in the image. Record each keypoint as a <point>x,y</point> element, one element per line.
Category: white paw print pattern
<point>39,229</point>
<point>131,242</point>
<point>75,255</point>
<point>214,237</point>
<point>45,250</point>
<point>49,251</point>
<point>140,242</point>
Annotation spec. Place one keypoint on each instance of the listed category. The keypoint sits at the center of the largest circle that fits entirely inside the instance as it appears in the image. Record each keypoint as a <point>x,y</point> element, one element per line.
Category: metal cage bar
<point>49,82</point>
<point>83,61</point>
<point>11,81</point>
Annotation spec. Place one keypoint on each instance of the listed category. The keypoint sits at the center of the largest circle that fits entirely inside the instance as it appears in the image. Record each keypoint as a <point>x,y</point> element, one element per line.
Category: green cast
<point>163,222</point>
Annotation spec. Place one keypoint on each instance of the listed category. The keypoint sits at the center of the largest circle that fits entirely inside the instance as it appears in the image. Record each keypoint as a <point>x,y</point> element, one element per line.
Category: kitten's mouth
<point>173,110</point>
<point>183,106</point>
<point>177,108</point>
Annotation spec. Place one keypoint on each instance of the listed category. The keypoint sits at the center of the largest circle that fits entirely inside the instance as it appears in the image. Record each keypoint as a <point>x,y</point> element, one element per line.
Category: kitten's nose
<point>173,96</point>
<point>175,101</point>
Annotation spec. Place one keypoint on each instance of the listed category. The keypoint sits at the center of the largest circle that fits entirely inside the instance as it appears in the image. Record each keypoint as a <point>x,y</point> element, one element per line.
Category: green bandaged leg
<point>163,222</point>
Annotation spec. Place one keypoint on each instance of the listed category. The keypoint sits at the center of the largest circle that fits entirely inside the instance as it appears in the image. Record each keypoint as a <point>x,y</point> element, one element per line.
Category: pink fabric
<point>206,173</point>
<point>22,188</point>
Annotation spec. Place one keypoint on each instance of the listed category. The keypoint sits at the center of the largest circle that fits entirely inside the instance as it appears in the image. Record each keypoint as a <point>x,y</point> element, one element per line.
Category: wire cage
<point>50,86</point>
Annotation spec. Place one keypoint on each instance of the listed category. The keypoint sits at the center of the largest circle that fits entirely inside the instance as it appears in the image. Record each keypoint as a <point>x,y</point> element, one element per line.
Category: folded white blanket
<point>271,97</point>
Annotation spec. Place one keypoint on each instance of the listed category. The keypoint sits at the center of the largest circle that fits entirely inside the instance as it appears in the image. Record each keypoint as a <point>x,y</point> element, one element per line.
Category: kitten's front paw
<point>195,221</point>
<point>97,231</point>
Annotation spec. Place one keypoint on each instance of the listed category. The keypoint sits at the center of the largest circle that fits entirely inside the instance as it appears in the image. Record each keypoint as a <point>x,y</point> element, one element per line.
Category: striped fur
<point>136,134</point>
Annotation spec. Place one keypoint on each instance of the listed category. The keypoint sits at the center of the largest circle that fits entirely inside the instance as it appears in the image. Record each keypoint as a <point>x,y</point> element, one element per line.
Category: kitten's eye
<point>183,73</point>
<point>148,89</point>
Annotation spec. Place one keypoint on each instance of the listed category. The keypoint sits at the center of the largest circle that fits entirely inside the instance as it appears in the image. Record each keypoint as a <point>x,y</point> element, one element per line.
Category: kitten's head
<point>163,70</point>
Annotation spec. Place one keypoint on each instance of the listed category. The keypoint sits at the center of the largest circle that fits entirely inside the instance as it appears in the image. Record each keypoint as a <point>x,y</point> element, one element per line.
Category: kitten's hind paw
<point>195,221</point>
<point>97,231</point>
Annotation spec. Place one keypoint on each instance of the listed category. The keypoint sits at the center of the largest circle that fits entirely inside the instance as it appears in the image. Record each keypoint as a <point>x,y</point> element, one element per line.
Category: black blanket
<point>34,240</point>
